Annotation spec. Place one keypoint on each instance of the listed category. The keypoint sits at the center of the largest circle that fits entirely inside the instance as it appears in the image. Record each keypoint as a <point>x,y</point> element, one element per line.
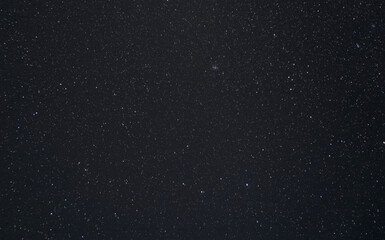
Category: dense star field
<point>192,119</point>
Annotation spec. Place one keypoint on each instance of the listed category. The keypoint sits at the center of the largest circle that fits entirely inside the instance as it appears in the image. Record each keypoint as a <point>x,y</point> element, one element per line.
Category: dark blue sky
<point>192,120</point>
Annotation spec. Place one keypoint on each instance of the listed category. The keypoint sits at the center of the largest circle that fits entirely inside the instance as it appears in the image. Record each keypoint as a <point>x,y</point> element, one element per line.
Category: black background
<point>192,120</point>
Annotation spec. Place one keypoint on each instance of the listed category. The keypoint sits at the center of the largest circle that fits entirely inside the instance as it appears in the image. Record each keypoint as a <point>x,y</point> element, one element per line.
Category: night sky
<point>192,119</point>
